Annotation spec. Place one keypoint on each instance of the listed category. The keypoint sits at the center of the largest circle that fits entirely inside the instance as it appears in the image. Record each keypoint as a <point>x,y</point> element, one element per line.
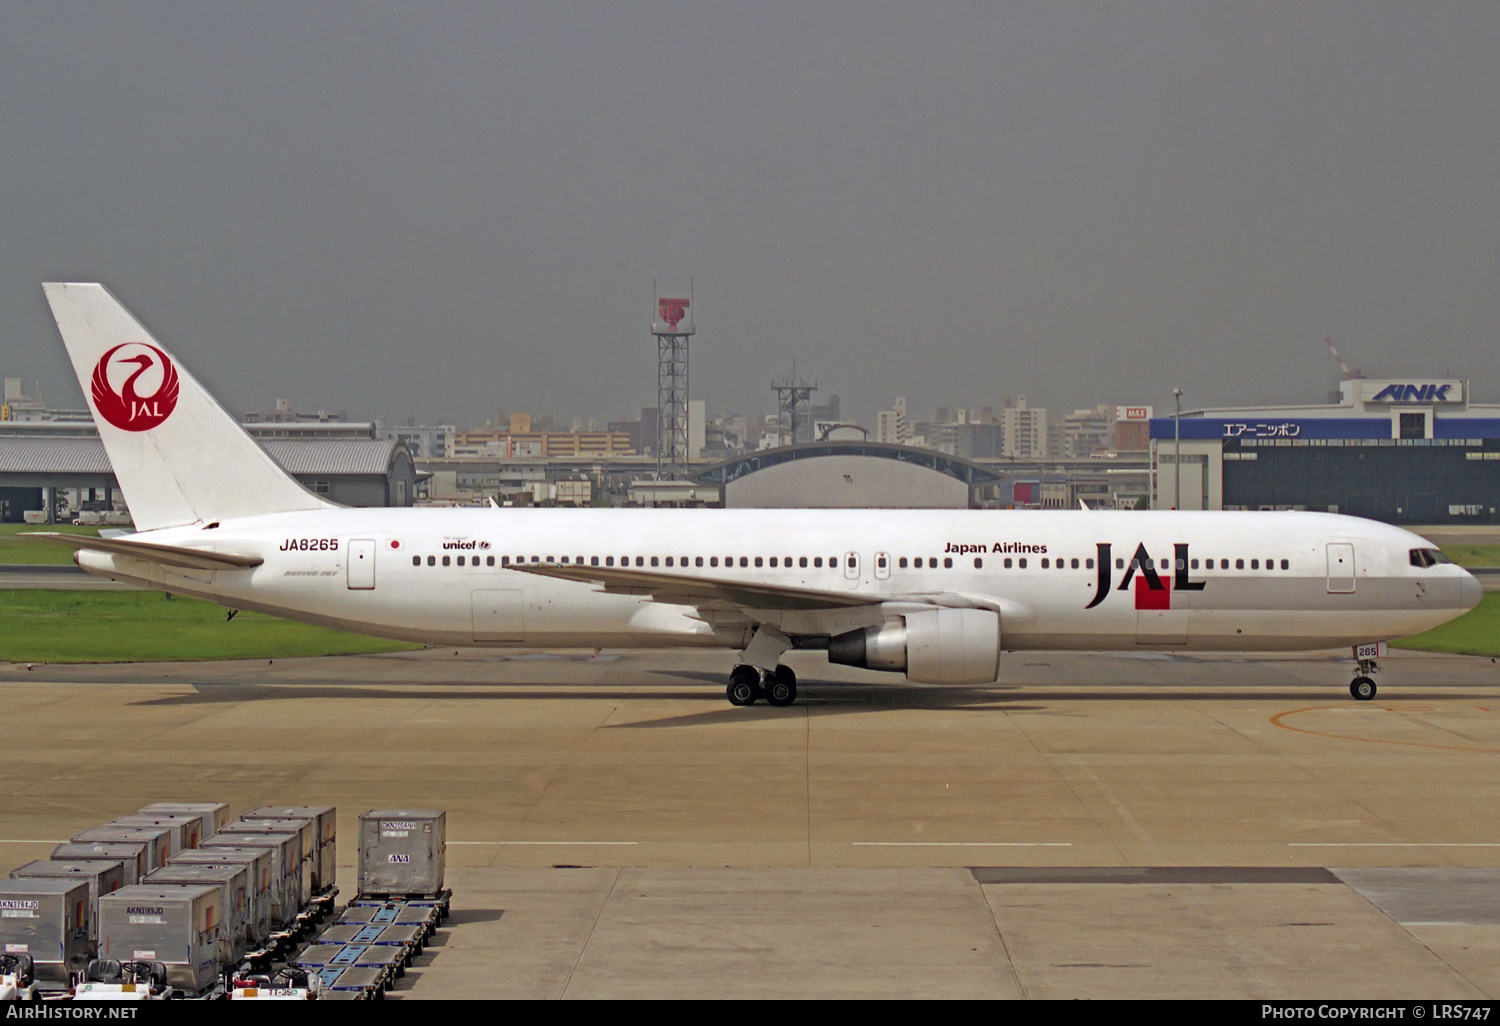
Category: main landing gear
<point>1362,687</point>
<point>747,685</point>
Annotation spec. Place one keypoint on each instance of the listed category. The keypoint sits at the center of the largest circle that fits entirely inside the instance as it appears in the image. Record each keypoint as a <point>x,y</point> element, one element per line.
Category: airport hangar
<point>849,475</point>
<point>1414,451</point>
<point>342,461</point>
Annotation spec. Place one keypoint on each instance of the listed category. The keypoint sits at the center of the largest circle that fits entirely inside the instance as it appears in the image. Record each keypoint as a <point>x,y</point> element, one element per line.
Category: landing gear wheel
<point>1362,688</point>
<point>781,686</point>
<point>744,686</point>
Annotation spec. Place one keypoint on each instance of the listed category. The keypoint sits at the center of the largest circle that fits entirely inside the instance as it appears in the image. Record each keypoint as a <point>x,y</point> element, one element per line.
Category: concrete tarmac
<point>1137,825</point>
<point>55,577</point>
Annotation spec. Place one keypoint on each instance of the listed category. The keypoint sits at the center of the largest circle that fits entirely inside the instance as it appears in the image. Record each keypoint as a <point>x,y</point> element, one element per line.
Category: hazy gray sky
<point>441,208</point>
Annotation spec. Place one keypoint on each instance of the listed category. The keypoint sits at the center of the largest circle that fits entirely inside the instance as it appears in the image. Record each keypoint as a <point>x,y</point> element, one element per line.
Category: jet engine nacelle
<point>938,646</point>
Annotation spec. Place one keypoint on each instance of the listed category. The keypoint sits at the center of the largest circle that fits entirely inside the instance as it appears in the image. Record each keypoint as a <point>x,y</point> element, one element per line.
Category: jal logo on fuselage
<point>134,386</point>
<point>1152,590</point>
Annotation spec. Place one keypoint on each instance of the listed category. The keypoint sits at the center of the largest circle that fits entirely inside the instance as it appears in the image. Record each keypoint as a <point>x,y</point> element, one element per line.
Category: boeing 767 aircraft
<point>936,595</point>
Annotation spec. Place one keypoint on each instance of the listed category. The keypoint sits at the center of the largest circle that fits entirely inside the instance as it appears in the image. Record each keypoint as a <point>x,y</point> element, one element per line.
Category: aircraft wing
<point>682,589</point>
<point>153,552</point>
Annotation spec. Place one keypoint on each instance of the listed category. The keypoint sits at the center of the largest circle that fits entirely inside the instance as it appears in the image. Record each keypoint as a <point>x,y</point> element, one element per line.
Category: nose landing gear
<point>1362,687</point>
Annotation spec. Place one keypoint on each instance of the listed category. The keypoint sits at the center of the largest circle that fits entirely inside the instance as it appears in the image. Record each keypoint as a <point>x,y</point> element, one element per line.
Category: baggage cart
<point>353,984</point>
<point>411,937</point>
<point>427,915</point>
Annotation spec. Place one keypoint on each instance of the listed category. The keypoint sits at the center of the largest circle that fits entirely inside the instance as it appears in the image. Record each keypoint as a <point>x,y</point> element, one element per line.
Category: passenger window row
<point>642,561</point>
<point>1420,557</point>
<point>448,560</point>
<point>1208,564</point>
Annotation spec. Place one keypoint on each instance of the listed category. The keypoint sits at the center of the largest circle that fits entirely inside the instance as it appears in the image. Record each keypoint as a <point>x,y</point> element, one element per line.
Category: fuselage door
<point>361,564</point>
<point>851,568</point>
<point>883,566</point>
<point>1340,568</point>
<point>499,615</point>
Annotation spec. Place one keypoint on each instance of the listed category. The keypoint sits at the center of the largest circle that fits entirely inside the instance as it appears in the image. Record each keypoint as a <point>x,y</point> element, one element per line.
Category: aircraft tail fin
<point>179,456</point>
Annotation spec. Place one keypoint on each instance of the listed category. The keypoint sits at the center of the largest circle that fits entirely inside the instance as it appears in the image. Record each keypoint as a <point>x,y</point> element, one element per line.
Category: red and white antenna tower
<point>672,326</point>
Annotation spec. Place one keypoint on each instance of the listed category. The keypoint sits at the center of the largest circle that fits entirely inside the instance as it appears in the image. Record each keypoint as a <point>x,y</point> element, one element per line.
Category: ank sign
<point>1423,392</point>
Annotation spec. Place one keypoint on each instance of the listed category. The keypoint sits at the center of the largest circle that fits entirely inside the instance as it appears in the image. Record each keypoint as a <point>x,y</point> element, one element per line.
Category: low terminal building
<point>1405,452</point>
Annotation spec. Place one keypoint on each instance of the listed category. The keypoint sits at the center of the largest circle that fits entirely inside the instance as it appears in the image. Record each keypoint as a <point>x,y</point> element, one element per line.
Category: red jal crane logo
<point>125,406</point>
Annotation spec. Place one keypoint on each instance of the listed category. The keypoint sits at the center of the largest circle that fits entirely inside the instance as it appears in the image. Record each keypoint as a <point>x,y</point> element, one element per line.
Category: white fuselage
<point>1247,581</point>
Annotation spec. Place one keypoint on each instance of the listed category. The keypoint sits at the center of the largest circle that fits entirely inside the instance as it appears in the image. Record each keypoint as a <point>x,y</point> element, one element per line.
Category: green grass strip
<point>1477,632</point>
<point>1473,555</point>
<point>28,552</point>
<point>39,626</point>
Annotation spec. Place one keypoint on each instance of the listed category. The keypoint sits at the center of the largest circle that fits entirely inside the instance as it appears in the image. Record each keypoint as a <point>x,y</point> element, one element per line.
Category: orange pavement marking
<point>1278,718</point>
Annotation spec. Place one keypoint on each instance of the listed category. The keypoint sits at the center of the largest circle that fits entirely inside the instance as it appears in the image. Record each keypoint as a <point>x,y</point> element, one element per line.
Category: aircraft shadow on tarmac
<point>815,697</point>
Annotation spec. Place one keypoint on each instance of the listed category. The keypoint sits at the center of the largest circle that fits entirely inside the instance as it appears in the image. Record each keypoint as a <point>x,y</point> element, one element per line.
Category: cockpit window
<point>1428,557</point>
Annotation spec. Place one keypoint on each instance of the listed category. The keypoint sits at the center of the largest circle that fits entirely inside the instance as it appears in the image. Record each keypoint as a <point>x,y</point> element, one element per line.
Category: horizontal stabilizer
<point>167,555</point>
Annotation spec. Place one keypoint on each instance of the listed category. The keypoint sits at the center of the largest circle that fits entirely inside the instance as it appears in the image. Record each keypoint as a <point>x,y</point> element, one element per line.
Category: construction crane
<point>1349,375</point>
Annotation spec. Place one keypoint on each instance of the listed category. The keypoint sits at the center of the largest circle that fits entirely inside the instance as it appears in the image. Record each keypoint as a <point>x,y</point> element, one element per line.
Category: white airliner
<point>937,595</point>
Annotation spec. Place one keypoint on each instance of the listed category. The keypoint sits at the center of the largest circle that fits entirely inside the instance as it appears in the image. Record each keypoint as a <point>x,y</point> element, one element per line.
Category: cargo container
<point>325,863</point>
<point>258,863</point>
<point>134,856</point>
<point>48,920</point>
<point>234,893</point>
<point>306,844</point>
<point>213,814</point>
<point>179,926</point>
<point>187,829</point>
<point>286,869</point>
<point>102,877</point>
<point>159,840</point>
<point>402,852</point>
